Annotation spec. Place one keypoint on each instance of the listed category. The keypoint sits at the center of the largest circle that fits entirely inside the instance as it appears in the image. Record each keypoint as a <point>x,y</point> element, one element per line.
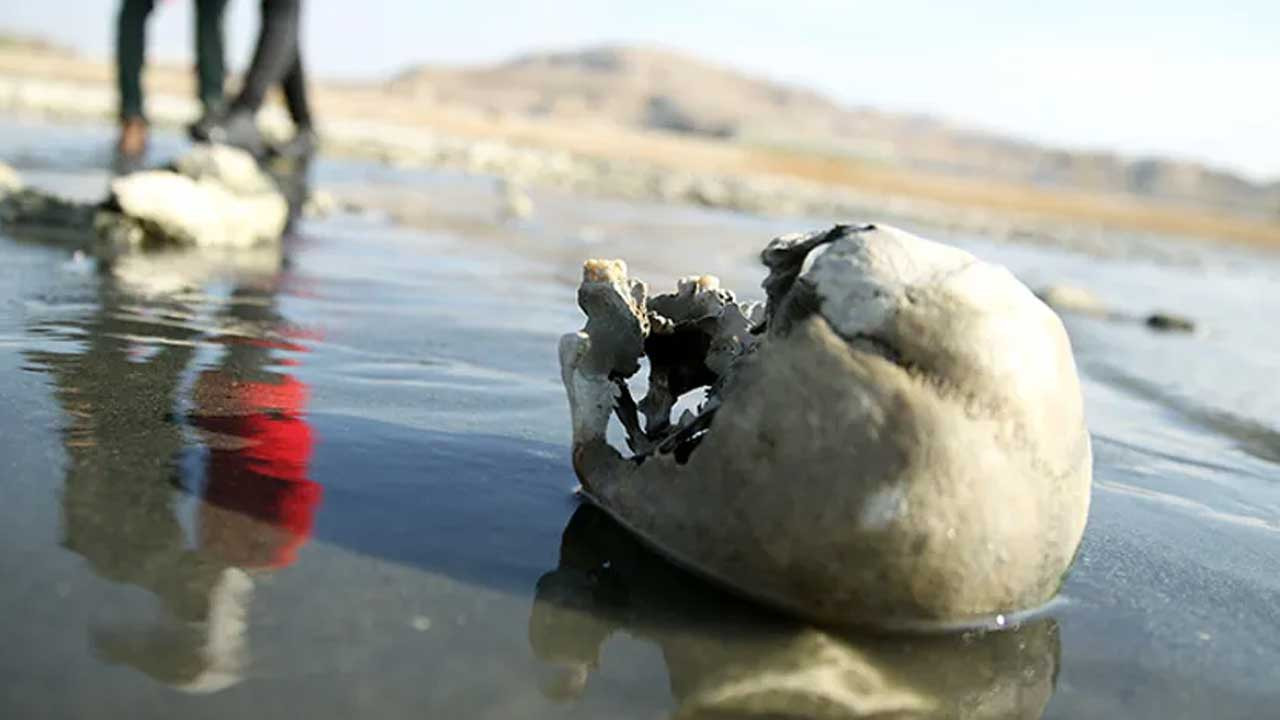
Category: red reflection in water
<point>259,505</point>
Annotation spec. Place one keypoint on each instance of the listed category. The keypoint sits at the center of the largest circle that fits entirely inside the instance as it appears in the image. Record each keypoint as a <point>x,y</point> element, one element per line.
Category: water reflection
<point>728,659</point>
<point>130,410</point>
<point>259,506</point>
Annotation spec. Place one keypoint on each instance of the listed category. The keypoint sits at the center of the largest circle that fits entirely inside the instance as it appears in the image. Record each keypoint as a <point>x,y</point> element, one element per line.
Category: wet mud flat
<point>334,480</point>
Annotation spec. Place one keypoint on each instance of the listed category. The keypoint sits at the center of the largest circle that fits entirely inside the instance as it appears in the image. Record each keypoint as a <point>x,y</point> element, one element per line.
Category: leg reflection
<point>259,504</point>
<point>122,442</point>
<point>119,389</point>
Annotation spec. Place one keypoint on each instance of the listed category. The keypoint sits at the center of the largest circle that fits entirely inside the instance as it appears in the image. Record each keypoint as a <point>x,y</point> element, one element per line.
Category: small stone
<point>1168,322</point>
<point>516,203</point>
<point>320,204</point>
<point>1070,298</point>
<point>41,211</point>
<point>10,180</point>
<point>421,623</point>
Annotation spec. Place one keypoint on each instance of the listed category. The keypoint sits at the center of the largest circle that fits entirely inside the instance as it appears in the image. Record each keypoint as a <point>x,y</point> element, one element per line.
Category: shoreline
<point>367,122</point>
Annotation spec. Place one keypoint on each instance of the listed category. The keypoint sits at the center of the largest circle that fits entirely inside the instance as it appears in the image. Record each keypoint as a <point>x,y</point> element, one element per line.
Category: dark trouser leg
<point>131,47</point>
<point>210,62</point>
<point>295,94</point>
<point>276,51</point>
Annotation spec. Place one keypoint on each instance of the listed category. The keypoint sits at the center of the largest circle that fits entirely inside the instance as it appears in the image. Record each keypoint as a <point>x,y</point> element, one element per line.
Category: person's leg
<point>276,52</point>
<point>295,94</point>
<point>303,142</point>
<point>131,46</point>
<point>210,58</point>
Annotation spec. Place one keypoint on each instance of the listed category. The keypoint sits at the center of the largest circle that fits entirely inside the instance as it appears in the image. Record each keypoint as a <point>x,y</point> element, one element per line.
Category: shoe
<point>302,145</point>
<point>238,128</point>
<point>131,146</point>
<point>199,130</point>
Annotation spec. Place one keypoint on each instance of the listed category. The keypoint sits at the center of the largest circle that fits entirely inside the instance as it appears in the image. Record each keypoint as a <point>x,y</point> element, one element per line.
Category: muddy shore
<point>370,123</point>
<point>435,562</point>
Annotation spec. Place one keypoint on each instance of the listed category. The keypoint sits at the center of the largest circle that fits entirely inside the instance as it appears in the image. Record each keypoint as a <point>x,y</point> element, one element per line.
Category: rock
<point>235,169</point>
<point>216,196</point>
<point>175,208</point>
<point>711,192</point>
<point>42,212</point>
<point>1168,322</point>
<point>1073,299</point>
<point>901,443</point>
<point>516,203</point>
<point>1069,298</point>
<point>320,204</point>
<point>10,180</point>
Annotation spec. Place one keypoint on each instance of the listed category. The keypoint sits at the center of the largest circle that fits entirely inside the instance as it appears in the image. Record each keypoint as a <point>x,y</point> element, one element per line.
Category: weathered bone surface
<point>897,440</point>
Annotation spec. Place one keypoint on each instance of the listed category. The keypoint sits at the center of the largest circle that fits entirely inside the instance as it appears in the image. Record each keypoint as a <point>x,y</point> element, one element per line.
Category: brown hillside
<point>663,90</point>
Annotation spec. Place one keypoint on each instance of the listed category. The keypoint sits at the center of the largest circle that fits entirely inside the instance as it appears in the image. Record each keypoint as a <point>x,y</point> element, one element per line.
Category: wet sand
<point>370,428</point>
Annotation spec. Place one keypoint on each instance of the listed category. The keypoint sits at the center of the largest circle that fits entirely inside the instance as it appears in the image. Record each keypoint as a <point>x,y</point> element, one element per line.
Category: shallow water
<point>335,482</point>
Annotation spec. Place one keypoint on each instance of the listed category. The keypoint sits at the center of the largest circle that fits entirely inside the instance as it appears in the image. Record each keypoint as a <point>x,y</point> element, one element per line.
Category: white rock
<point>516,203</point>
<point>10,180</point>
<point>218,197</point>
<point>200,212</point>
<point>1070,298</point>
<point>319,204</point>
<point>233,168</point>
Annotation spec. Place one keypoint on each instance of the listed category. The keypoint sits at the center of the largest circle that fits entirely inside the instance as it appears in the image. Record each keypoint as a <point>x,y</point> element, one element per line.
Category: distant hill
<point>30,43</point>
<point>669,91</point>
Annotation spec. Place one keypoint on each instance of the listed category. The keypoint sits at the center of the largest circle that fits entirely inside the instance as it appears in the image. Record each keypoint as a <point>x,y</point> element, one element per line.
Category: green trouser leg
<point>210,63</point>
<point>131,47</point>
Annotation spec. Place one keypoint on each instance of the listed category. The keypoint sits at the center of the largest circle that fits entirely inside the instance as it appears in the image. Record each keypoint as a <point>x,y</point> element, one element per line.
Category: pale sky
<point>1194,80</point>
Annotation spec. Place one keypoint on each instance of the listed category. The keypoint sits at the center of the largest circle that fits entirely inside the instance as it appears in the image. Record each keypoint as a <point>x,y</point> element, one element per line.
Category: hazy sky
<point>1189,79</point>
